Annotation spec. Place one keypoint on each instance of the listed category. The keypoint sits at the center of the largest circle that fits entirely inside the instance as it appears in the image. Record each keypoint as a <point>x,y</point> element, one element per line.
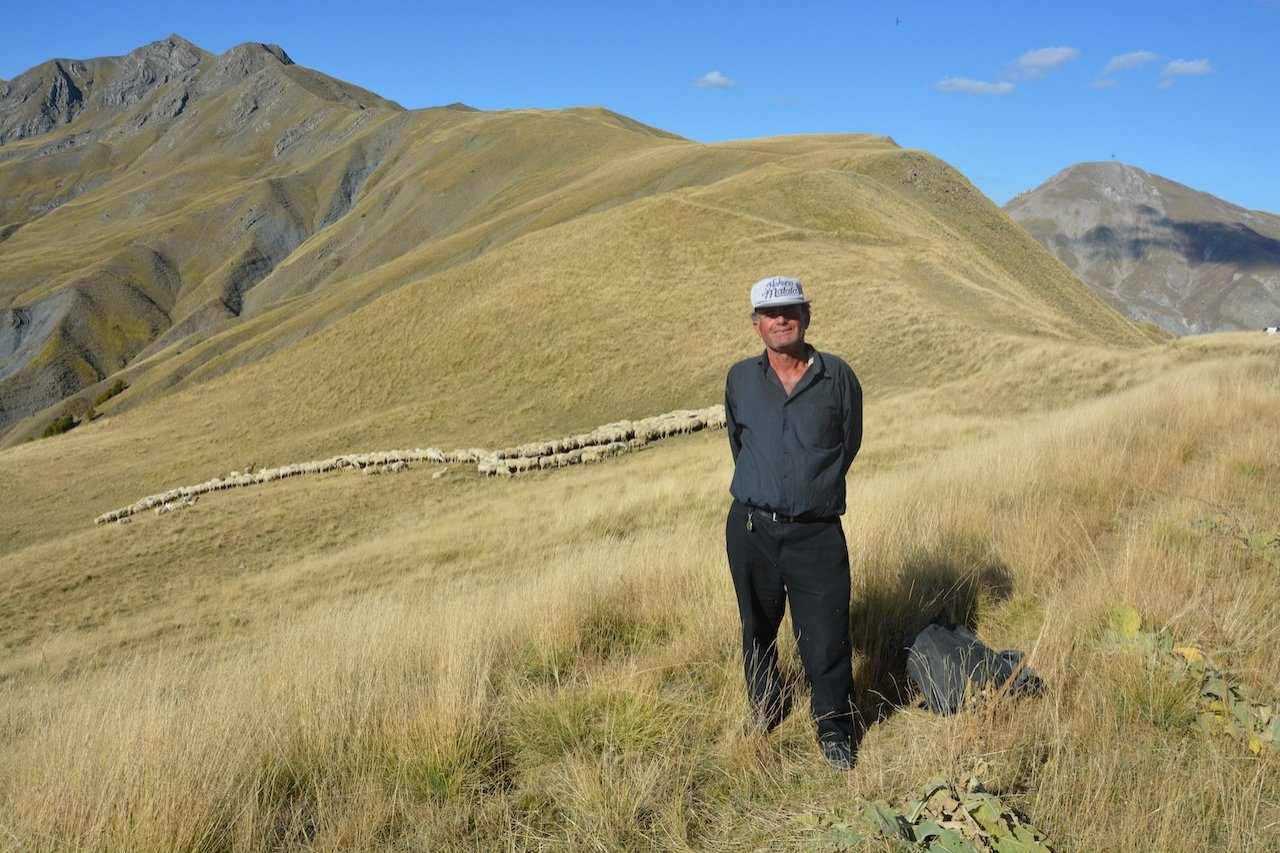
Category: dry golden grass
<point>346,662</point>
<point>480,226</point>
<point>402,662</point>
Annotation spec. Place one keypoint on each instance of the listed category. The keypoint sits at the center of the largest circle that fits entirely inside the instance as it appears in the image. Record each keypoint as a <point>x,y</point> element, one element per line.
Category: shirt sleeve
<point>730,422</point>
<point>852,419</point>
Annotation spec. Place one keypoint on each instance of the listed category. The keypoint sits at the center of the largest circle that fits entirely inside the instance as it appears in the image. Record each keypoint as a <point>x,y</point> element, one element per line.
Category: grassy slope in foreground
<point>557,330</point>
<point>398,661</point>
<point>307,663</point>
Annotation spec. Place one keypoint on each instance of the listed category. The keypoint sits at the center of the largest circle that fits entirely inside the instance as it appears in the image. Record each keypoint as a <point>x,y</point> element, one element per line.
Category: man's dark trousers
<point>806,562</point>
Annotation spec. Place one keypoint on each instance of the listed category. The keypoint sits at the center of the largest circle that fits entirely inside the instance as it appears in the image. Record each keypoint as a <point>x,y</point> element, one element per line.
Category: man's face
<point>782,327</point>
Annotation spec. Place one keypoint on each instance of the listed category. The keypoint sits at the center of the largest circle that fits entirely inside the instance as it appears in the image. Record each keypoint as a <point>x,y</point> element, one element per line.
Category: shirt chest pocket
<point>818,422</point>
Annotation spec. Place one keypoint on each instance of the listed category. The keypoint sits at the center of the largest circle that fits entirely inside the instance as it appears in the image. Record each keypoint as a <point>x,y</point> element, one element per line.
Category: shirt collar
<point>815,359</point>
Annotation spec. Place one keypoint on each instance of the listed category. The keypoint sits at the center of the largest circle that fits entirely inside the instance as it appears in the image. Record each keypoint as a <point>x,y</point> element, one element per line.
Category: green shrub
<point>106,395</point>
<point>59,426</point>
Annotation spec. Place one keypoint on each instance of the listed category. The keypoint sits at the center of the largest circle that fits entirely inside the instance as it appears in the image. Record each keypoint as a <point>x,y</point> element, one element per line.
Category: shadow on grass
<point>949,582</point>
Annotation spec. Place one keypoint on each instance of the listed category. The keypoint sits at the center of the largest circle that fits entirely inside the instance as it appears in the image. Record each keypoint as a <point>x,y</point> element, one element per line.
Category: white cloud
<point>714,80</point>
<point>1034,63</point>
<point>1104,84</point>
<point>1187,68</point>
<point>1133,59</point>
<point>974,87</point>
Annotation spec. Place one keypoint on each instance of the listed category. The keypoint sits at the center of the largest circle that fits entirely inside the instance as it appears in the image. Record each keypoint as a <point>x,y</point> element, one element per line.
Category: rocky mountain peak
<point>250,58</point>
<point>42,98</point>
<point>278,52</point>
<point>174,52</point>
<point>58,92</point>
<point>1158,250</point>
<point>149,67</point>
<point>155,82</point>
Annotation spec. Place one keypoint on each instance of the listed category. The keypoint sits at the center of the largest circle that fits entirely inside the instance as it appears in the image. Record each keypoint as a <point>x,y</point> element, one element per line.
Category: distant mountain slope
<point>147,194</point>
<point>1158,250</point>
<point>283,224</point>
<point>113,96</point>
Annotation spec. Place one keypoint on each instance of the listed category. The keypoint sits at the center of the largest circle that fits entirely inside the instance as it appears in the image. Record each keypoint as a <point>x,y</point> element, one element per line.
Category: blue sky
<point>1008,92</point>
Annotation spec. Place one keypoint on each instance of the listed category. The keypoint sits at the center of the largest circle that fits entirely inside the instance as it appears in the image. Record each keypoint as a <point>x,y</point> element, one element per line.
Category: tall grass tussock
<point>551,662</point>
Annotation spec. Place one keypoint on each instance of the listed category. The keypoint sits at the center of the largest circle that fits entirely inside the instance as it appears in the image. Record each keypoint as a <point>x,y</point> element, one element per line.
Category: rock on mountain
<point>129,207</point>
<point>58,92</point>
<point>164,76</point>
<point>1157,250</point>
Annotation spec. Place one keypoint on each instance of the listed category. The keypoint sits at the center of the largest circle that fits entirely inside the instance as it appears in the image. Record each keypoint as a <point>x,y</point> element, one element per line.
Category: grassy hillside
<point>368,662</point>
<point>621,313</point>
<point>278,203</point>
<point>439,660</point>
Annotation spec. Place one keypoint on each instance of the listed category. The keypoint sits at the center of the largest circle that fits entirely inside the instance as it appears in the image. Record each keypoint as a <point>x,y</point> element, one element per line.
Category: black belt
<point>802,518</point>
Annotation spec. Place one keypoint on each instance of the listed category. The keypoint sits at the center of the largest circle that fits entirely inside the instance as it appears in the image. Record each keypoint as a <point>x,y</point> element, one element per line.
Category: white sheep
<point>602,442</point>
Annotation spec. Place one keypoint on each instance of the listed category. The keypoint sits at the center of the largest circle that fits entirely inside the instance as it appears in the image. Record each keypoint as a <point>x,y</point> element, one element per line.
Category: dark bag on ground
<point>951,666</point>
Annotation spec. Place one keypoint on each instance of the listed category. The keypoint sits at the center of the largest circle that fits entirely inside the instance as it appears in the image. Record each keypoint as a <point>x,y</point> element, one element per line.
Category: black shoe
<point>761,723</point>
<point>766,717</point>
<point>839,754</point>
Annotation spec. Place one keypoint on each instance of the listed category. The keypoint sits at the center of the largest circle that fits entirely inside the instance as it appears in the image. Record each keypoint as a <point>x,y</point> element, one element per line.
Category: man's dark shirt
<point>791,453</point>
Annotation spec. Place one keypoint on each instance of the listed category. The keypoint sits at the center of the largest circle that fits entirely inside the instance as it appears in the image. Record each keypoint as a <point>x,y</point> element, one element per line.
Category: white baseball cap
<point>777,290</point>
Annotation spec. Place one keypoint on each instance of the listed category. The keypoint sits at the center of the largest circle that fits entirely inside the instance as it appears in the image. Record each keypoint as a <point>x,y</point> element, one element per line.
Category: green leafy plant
<point>1265,543</point>
<point>59,426</point>
<point>116,388</point>
<point>1222,703</point>
<point>1233,709</point>
<point>947,817</point>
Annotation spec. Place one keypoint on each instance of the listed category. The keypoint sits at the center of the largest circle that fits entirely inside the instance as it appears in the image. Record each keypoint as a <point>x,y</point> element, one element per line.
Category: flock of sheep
<point>599,444</point>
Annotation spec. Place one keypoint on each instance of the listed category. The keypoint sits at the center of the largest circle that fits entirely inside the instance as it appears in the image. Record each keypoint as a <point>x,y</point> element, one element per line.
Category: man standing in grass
<point>794,417</point>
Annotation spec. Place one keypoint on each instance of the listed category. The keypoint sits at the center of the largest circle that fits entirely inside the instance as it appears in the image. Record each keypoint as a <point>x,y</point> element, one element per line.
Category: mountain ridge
<point>1158,250</point>
<point>436,659</point>
<point>59,92</point>
<point>173,247</point>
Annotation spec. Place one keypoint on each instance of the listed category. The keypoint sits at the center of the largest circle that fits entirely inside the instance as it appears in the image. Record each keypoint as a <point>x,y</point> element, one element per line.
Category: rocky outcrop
<point>1156,250</point>
<point>153,145</point>
<point>41,99</point>
<point>149,68</point>
<point>56,93</point>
